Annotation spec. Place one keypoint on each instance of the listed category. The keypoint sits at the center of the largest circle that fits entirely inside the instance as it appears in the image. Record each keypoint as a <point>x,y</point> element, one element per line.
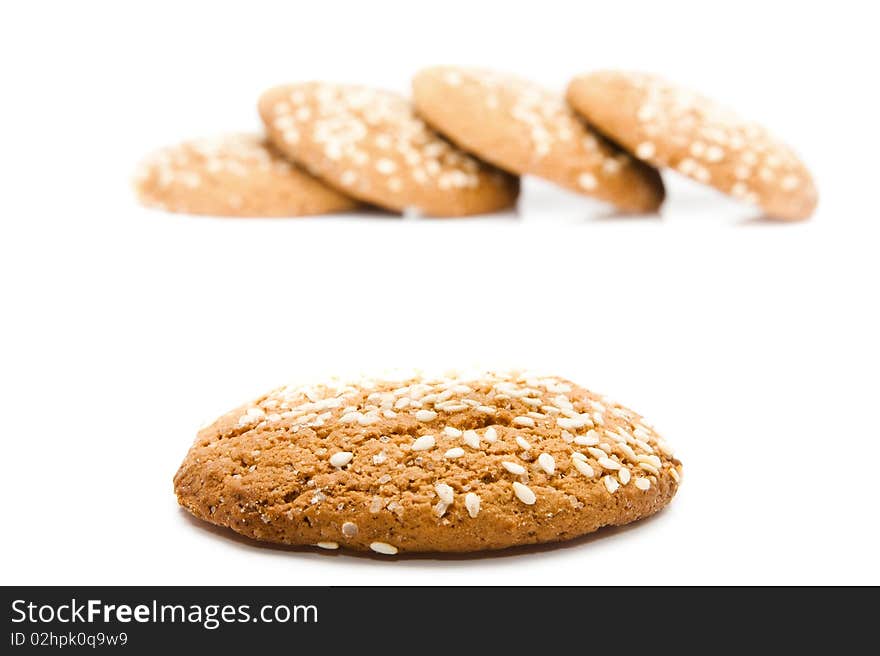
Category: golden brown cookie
<point>370,144</point>
<point>666,125</point>
<point>460,462</point>
<point>233,175</point>
<point>524,128</point>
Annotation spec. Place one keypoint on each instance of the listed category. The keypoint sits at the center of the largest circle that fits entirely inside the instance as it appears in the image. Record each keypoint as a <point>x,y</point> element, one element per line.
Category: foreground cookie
<point>522,127</point>
<point>458,463</point>
<point>370,144</point>
<point>669,126</point>
<point>234,175</point>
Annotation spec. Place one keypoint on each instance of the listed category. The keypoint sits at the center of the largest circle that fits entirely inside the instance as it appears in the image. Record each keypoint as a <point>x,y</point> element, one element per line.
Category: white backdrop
<point>751,345</point>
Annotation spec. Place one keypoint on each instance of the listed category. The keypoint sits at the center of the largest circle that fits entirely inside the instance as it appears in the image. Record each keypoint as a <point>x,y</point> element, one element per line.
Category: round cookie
<point>524,128</point>
<point>370,144</point>
<point>415,463</point>
<point>669,126</point>
<point>233,175</point>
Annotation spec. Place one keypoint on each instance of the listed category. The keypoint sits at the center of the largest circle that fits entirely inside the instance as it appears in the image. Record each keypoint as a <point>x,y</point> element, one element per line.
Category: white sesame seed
<point>379,458</point>
<point>424,443</point>
<point>643,483</point>
<point>582,467</point>
<point>596,453</point>
<point>547,463</point>
<point>524,493</point>
<point>523,421</point>
<point>454,452</point>
<point>649,468</point>
<point>523,443</point>
<point>383,548</point>
<point>587,181</point>
<point>590,439</point>
<point>471,438</point>
<point>579,456</point>
<point>444,492</point>
<point>451,432</point>
<point>472,503</point>
<point>514,468</point>
<point>567,437</point>
<point>674,473</point>
<point>491,435</point>
<point>608,463</point>
<point>624,476</point>
<point>341,458</point>
<point>327,545</point>
<point>485,409</point>
<point>426,415</point>
<point>610,484</point>
<point>349,529</point>
<point>645,150</point>
<point>385,166</point>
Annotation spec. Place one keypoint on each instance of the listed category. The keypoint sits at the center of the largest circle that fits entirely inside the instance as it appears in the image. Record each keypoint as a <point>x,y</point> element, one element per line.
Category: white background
<point>751,345</point>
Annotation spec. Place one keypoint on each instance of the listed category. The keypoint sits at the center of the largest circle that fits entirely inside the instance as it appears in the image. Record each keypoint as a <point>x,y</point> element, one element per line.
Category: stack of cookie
<point>458,148</point>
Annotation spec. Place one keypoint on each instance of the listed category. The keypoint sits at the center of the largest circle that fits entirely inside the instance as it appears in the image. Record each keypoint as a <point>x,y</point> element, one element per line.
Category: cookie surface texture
<point>456,463</point>
<point>524,128</point>
<point>233,175</point>
<point>370,144</point>
<point>668,126</point>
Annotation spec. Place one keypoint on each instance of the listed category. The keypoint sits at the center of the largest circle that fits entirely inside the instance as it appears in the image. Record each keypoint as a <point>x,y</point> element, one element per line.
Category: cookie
<point>371,145</point>
<point>459,463</point>
<point>524,128</point>
<point>668,126</point>
<point>233,175</point>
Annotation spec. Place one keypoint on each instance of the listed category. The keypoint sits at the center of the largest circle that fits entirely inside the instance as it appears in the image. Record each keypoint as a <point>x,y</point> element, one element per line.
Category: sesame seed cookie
<point>668,126</point>
<point>459,462</point>
<point>371,144</point>
<point>233,175</point>
<point>524,128</point>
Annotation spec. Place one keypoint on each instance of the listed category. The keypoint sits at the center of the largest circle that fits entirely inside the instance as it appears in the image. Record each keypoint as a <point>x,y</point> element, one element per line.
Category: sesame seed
<point>596,453</point>
<point>624,476</point>
<point>608,463</point>
<point>424,443</point>
<point>579,456</point>
<point>524,493</point>
<point>454,452</point>
<point>524,421</point>
<point>590,439</point>
<point>587,181</point>
<point>547,463</point>
<point>514,468</point>
<point>451,432</point>
<point>610,484</point>
<point>471,438</point>
<point>327,545</point>
<point>383,548</point>
<point>567,437</point>
<point>491,435</point>
<point>472,503</point>
<point>379,458</point>
<point>645,150</point>
<point>643,483</point>
<point>485,409</point>
<point>674,473</point>
<point>341,458</point>
<point>349,529</point>
<point>426,415</point>
<point>444,492</point>
<point>385,166</point>
<point>523,443</point>
<point>582,467</point>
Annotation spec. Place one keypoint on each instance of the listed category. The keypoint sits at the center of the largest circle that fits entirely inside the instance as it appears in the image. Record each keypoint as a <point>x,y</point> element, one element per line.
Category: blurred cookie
<point>417,463</point>
<point>524,128</point>
<point>371,145</point>
<point>233,175</point>
<point>666,125</point>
